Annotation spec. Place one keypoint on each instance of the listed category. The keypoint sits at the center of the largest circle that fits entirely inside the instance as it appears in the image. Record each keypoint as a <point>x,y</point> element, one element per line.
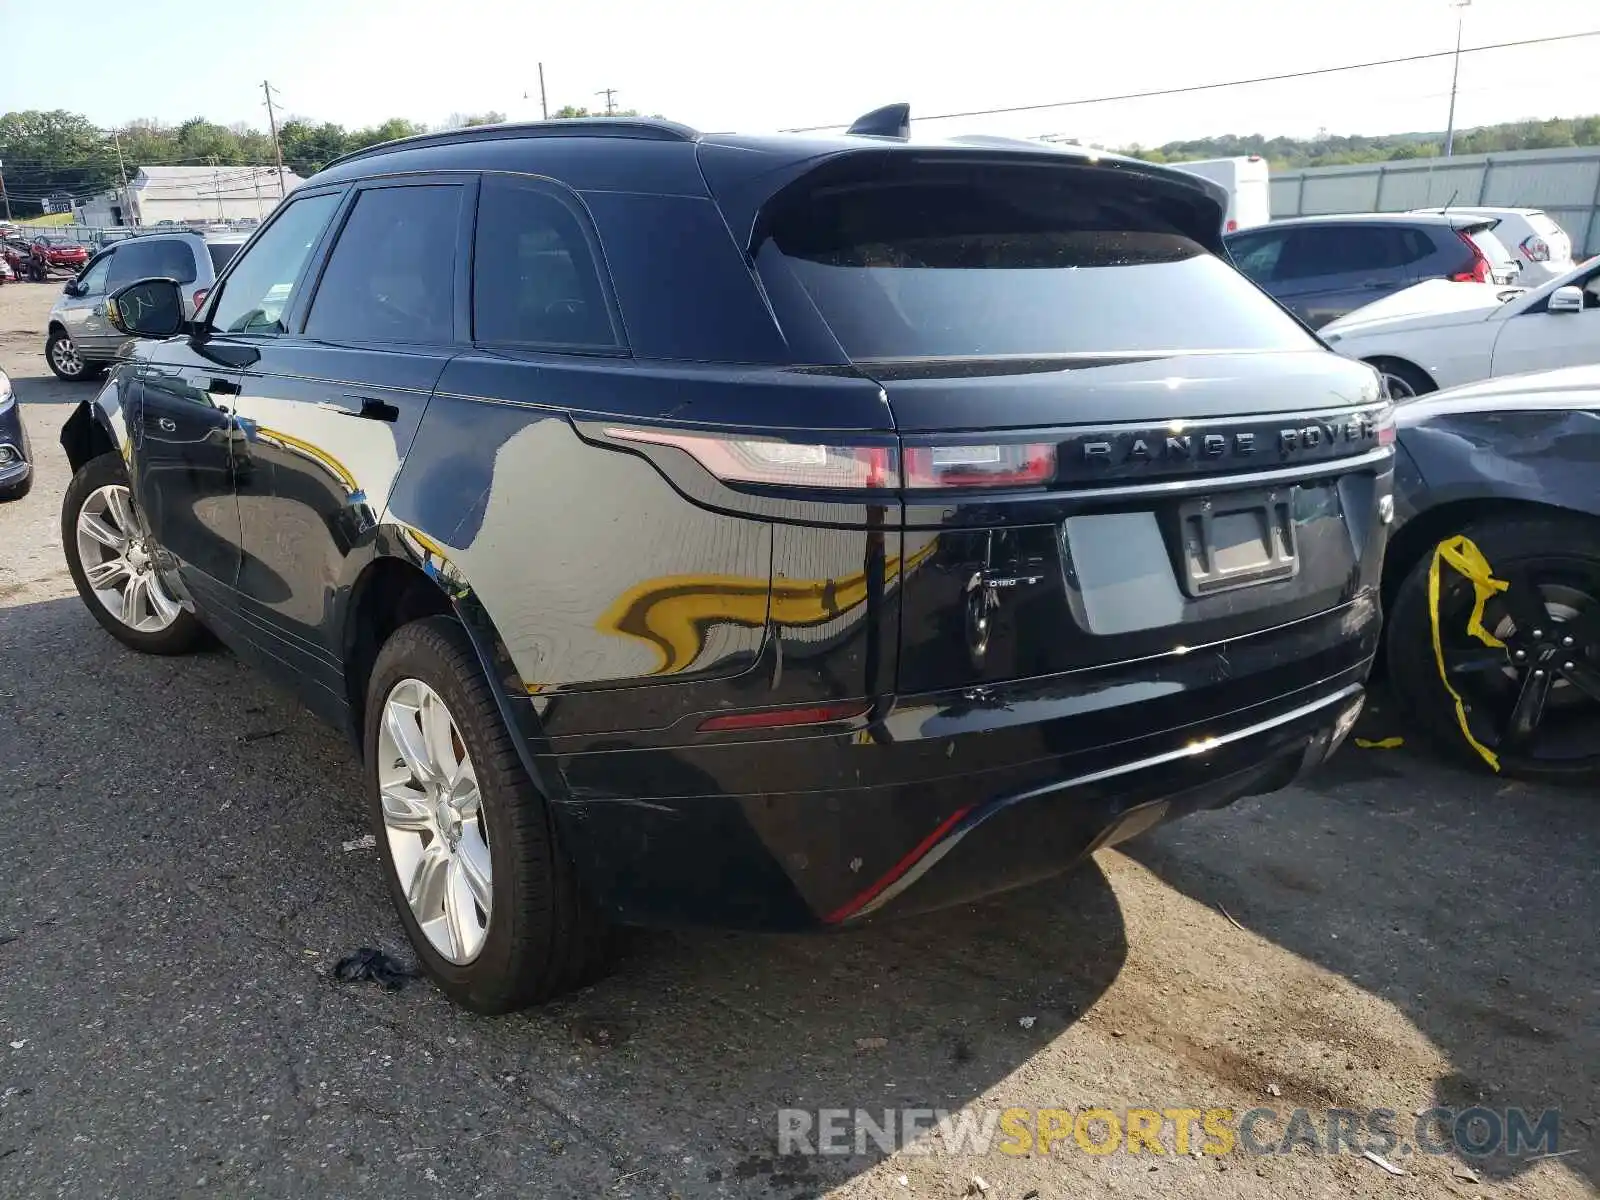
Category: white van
<point>1249,195</point>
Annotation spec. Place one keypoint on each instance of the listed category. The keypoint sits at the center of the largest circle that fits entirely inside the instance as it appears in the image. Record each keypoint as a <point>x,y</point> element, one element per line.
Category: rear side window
<point>534,277</point>
<point>392,273</point>
<point>1418,245</point>
<point>152,259</point>
<point>1257,254</point>
<point>960,261</point>
<point>1338,249</point>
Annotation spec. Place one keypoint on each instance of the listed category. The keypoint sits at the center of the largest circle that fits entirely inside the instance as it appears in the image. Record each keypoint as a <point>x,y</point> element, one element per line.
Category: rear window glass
<point>995,261</point>
<point>155,258</point>
<point>222,254</point>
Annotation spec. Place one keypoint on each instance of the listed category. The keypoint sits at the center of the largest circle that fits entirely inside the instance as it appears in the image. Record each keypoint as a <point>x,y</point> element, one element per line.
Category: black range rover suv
<point>760,531</point>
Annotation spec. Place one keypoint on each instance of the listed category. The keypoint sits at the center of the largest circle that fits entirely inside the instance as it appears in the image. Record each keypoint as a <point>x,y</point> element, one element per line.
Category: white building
<point>189,195</point>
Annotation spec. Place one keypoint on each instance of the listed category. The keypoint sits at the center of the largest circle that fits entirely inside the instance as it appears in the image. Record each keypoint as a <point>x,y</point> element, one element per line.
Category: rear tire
<point>538,937</point>
<point>155,622</point>
<point>1547,560</point>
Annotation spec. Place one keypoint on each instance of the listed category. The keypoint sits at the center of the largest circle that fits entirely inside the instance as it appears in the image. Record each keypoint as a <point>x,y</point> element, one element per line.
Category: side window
<point>391,276</point>
<point>1258,256</point>
<point>1417,245</point>
<point>535,280</point>
<point>1591,291</point>
<point>1319,250</point>
<point>94,279</point>
<point>1373,249</point>
<point>256,293</point>
<point>156,258</point>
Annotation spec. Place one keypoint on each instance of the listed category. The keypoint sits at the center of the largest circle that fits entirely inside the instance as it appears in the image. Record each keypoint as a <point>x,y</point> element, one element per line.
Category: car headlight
<point>7,396</point>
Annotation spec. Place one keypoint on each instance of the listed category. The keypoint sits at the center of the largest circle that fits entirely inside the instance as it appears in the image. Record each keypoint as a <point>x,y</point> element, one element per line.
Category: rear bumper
<point>976,802</point>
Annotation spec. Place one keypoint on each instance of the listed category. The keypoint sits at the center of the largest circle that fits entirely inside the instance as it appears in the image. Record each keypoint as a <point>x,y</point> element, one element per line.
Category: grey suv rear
<point>1324,267</point>
<point>79,340</point>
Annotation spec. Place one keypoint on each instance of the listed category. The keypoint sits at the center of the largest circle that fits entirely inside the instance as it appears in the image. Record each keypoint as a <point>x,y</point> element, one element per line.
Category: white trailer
<point>1249,195</point>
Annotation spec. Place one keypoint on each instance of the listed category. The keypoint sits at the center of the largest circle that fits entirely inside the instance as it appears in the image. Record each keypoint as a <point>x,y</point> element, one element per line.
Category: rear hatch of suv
<point>1491,261</point>
<point>1114,448</point>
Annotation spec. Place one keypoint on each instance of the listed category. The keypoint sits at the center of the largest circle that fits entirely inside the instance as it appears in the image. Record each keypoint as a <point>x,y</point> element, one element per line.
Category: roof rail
<point>646,129</point>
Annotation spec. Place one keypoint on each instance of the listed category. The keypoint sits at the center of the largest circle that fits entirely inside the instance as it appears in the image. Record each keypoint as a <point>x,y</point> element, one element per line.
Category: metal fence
<point>1564,183</point>
<point>95,236</point>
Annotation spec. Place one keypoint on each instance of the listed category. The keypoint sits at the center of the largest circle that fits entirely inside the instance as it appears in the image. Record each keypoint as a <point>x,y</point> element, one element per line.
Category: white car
<point>1541,247</point>
<point>1441,334</point>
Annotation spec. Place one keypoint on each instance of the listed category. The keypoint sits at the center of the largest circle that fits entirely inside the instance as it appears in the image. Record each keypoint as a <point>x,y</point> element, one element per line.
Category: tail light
<point>1016,465</point>
<point>1535,249</point>
<point>790,464</point>
<point>1480,264</point>
<point>200,297</point>
<point>1233,226</point>
<point>787,464</point>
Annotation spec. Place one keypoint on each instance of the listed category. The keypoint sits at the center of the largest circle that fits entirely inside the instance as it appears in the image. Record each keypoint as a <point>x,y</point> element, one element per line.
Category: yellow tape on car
<point>1467,560</point>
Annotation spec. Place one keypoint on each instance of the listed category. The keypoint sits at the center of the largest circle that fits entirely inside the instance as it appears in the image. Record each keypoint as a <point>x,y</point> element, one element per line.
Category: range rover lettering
<point>769,532</point>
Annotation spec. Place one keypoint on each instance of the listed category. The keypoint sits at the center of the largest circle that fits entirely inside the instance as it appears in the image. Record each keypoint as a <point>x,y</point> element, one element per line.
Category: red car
<point>15,252</point>
<point>60,252</point>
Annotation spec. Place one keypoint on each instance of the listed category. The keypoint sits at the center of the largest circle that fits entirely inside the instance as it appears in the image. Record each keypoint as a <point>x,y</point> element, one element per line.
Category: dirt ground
<point>175,892</point>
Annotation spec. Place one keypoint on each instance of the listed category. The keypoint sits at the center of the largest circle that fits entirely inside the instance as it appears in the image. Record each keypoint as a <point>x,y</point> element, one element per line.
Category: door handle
<point>1374,284</point>
<point>372,409</point>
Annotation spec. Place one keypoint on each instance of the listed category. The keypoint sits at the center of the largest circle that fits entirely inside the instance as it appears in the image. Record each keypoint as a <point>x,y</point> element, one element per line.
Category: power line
<point>1231,83</point>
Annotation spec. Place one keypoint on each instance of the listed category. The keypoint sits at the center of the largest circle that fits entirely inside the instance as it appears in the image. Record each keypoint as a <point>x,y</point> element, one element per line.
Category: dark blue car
<point>1324,267</point>
<point>16,459</point>
<point>770,532</point>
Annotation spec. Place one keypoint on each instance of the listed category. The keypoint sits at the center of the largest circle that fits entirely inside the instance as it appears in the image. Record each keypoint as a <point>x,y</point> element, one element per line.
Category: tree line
<point>1326,150</point>
<point>62,153</point>
<point>45,154</point>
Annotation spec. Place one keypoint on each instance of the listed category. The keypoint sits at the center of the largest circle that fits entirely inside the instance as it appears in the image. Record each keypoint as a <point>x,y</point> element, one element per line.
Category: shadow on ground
<point>1466,901</point>
<point>178,890</point>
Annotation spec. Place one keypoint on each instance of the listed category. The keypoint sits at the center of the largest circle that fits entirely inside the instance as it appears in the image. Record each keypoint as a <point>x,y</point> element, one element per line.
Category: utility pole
<point>5,195</point>
<point>277,150</point>
<point>1455,74</point>
<point>544,107</point>
<point>611,104</point>
<point>122,169</point>
<point>216,186</point>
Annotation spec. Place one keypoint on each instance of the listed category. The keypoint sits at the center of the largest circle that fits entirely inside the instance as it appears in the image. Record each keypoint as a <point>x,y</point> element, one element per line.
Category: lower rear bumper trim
<point>947,836</point>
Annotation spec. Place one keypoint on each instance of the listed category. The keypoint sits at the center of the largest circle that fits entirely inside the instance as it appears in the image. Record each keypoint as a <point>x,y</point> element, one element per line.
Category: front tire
<point>1534,703</point>
<point>1404,380</point>
<point>467,842</point>
<point>65,359</point>
<point>115,563</point>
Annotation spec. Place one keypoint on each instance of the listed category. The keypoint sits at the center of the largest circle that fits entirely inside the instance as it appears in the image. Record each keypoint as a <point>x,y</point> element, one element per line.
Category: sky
<point>756,66</point>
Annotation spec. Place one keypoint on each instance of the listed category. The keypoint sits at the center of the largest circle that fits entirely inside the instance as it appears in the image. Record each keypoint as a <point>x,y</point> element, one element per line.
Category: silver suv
<point>79,341</point>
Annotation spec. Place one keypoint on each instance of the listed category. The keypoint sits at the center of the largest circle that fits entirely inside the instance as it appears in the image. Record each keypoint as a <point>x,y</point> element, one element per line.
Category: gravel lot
<point>175,893</point>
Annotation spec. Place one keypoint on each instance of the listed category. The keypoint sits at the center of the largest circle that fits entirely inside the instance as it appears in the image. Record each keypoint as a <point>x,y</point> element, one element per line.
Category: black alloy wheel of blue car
<point>1533,702</point>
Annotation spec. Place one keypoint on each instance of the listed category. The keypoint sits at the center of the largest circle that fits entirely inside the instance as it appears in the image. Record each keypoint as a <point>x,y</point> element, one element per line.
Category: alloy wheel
<point>1538,695</point>
<point>434,821</point>
<point>119,562</point>
<point>1399,389</point>
<point>64,354</point>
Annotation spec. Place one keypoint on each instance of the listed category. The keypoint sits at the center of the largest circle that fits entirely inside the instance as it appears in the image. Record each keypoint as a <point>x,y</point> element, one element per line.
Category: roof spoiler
<point>890,121</point>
